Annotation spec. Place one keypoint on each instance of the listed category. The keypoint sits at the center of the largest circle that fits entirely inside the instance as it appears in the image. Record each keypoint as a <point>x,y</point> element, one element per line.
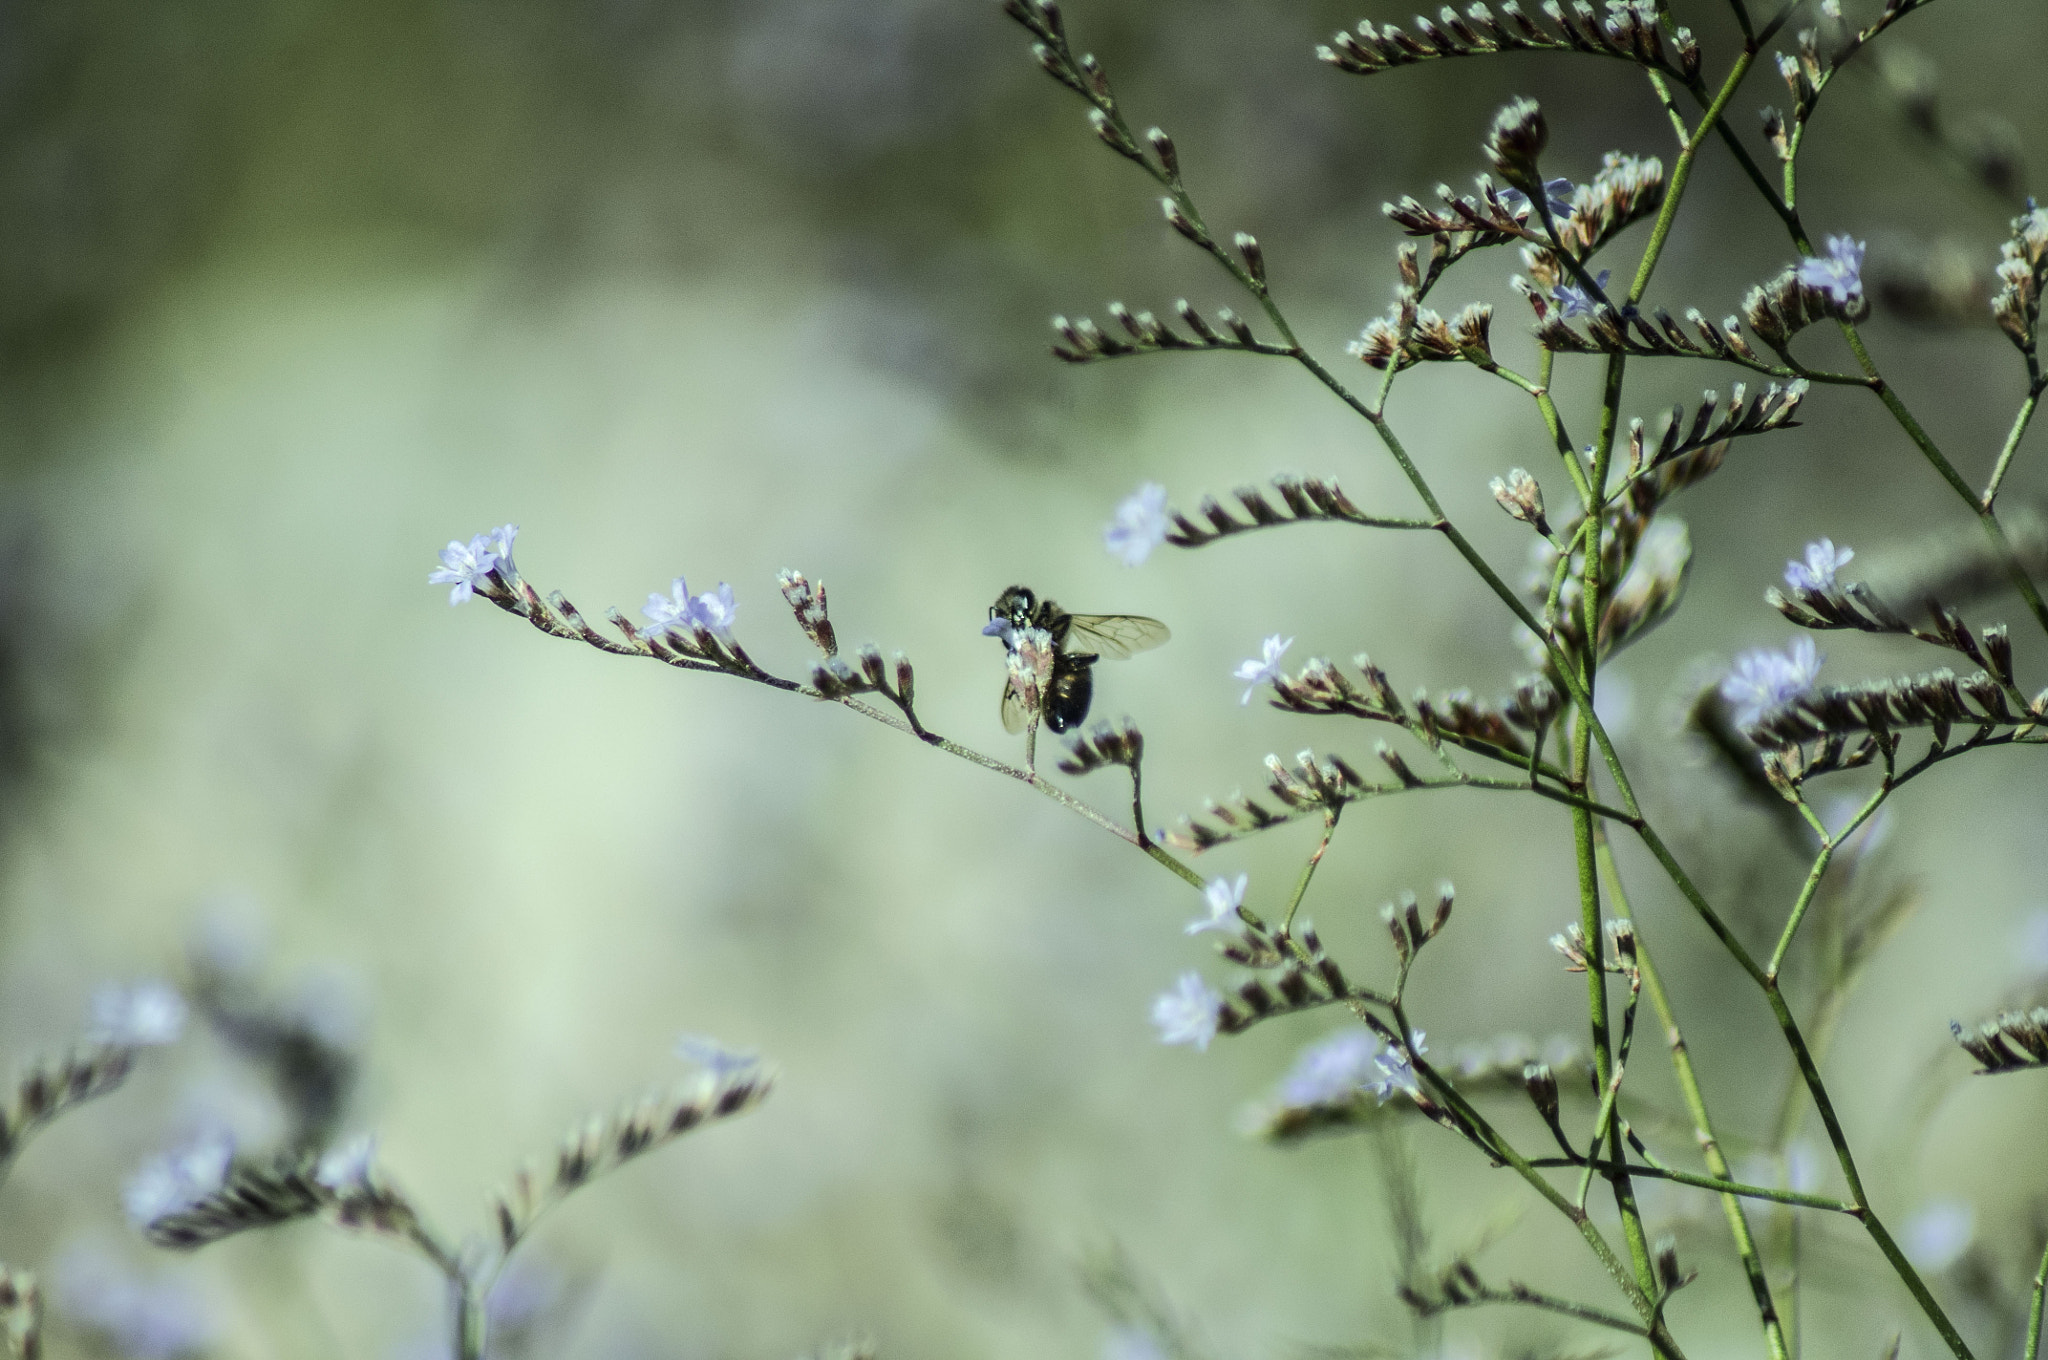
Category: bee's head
<point>1013,607</point>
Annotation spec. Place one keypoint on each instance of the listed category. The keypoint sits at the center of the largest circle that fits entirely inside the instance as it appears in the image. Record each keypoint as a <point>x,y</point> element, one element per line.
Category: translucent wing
<point>1115,636</point>
<point>1015,716</point>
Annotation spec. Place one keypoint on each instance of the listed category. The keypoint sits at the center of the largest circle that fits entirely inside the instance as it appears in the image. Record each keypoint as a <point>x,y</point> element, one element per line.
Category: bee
<point>1078,642</point>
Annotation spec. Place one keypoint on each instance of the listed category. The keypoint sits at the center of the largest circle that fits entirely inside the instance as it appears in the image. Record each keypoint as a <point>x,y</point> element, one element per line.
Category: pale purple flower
<point>715,1058</point>
<point>1225,896</point>
<point>1763,681</point>
<point>147,1014</point>
<point>672,610</point>
<point>140,1316</point>
<point>1839,273</point>
<point>499,541</point>
<point>1817,572</point>
<point>178,1180</point>
<point>1188,1013</point>
<point>464,567</point>
<point>346,1166</point>
<point>1936,1237</point>
<point>714,611</point>
<point>1266,669</point>
<point>1574,300</point>
<point>1397,1070</point>
<point>1332,1071</point>
<point>1557,194</point>
<point>1139,526</point>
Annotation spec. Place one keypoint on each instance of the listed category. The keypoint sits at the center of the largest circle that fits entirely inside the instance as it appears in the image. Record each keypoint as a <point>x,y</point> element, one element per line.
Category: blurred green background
<point>291,293</point>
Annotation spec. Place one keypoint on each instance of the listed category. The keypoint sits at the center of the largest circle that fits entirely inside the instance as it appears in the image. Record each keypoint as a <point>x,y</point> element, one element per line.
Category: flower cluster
<point>178,1180</point>
<point>1139,526</point>
<point>1574,300</point>
<point>1188,1014</point>
<point>1839,273</point>
<point>1817,572</point>
<point>681,612</point>
<point>467,567</point>
<point>1762,682</point>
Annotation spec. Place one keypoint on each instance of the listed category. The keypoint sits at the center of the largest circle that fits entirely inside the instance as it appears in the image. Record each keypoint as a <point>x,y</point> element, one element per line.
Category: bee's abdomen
<point>1068,696</point>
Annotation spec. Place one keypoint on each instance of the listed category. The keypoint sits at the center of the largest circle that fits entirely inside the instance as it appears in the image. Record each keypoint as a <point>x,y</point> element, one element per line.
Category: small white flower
<point>1187,1014</point>
<point>1817,572</point>
<point>1763,681</point>
<point>178,1180</point>
<point>1225,896</point>
<point>346,1166</point>
<point>1139,526</point>
<point>721,1062</point>
<point>464,567</point>
<point>1333,1070</point>
<point>1264,670</point>
<point>147,1014</point>
<point>671,610</point>
<point>715,611</point>
<point>1936,1237</point>
<point>1839,273</point>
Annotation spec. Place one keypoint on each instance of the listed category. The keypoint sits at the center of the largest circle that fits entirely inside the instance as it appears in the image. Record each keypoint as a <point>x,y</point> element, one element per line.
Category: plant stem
<point>2012,444</point>
<point>1308,870</point>
<point>2015,570</point>
<point>2033,1351</point>
<point>1696,1105</point>
<point>471,1323</point>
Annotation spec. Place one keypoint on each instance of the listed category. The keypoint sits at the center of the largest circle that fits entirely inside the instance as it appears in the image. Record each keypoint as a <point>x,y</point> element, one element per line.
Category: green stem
<point>1719,1184</point>
<point>1681,174</point>
<point>2015,570</point>
<point>1308,870</point>
<point>1498,1146</point>
<point>471,1322</point>
<point>2033,1351</point>
<point>2012,444</point>
<point>1703,1126</point>
<point>1814,876</point>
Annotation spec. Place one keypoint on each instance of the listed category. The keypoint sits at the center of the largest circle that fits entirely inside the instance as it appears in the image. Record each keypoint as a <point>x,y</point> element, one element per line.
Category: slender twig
<point>1308,870</point>
<point>1818,871</point>
<point>1703,1126</point>
<point>2033,1351</point>
<point>2020,421</point>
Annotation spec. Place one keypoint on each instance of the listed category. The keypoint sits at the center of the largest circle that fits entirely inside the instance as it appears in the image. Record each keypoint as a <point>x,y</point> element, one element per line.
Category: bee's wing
<point>1114,636</point>
<point>1015,716</point>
